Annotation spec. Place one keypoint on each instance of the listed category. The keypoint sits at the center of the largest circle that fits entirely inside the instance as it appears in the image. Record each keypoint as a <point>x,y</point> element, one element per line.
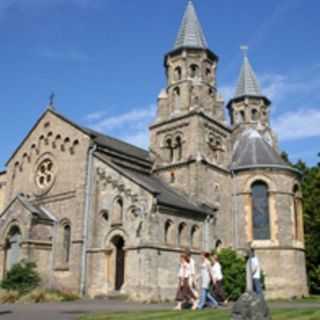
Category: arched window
<point>177,74</point>
<point>297,212</point>
<point>208,72</point>
<point>254,115</point>
<point>260,211</point>
<point>194,71</point>
<point>195,237</point>
<point>169,233</point>
<point>176,95</point>
<point>66,243</point>
<point>178,148</point>
<point>117,213</point>
<point>170,150</point>
<point>105,215</point>
<point>242,116</point>
<point>13,250</point>
<point>183,235</point>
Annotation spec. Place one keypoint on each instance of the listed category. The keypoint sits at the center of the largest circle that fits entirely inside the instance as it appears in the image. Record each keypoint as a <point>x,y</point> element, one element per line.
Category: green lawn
<point>292,314</point>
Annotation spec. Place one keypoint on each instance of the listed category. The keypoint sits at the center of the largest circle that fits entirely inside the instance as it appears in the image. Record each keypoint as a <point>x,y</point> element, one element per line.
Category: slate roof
<point>191,34</point>
<point>165,194</point>
<point>104,140</point>
<point>248,84</point>
<point>36,211</point>
<point>252,151</point>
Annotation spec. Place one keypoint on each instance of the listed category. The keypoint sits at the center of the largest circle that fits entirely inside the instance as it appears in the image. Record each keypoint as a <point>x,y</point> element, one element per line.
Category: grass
<point>292,314</point>
<point>310,299</point>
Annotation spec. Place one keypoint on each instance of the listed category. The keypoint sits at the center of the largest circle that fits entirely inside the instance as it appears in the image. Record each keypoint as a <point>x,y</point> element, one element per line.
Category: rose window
<point>45,174</point>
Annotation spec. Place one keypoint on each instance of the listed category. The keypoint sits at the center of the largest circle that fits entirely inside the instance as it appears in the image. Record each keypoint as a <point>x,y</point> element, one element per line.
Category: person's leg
<point>220,292</point>
<point>257,286</point>
<point>203,297</point>
<point>211,300</point>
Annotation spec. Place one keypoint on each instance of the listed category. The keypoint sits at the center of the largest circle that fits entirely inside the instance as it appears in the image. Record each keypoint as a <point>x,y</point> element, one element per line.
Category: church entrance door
<point>118,243</point>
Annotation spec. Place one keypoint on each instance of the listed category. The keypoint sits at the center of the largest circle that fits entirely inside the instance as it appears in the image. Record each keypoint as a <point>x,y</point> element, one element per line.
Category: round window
<point>44,175</point>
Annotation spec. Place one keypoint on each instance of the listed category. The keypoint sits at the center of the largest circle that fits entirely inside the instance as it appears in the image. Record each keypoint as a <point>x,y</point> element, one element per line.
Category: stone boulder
<point>250,306</point>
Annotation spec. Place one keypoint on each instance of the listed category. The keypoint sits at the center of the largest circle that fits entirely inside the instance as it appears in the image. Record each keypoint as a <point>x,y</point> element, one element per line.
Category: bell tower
<point>189,132</point>
<point>191,73</point>
<point>249,108</point>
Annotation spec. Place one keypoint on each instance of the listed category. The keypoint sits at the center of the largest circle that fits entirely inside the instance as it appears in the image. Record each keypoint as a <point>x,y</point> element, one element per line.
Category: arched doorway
<point>13,249</point>
<point>118,243</point>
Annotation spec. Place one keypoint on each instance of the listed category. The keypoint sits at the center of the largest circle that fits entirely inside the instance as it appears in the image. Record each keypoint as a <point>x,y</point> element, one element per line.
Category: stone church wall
<point>2,190</point>
<point>63,150</point>
<point>151,255</point>
<point>283,248</point>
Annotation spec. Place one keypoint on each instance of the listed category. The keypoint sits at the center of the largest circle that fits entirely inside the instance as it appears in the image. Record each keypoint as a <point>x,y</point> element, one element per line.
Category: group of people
<point>206,287</point>
<point>210,291</point>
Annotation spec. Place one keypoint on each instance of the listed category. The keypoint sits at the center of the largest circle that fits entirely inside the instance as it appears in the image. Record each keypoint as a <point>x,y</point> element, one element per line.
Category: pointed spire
<point>190,34</point>
<point>248,84</point>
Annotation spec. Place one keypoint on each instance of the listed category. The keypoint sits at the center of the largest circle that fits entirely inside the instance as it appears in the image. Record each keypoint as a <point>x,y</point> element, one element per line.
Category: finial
<point>244,50</point>
<point>51,101</point>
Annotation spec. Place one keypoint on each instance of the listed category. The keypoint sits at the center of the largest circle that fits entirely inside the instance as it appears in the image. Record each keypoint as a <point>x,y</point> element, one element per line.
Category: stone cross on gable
<point>51,100</point>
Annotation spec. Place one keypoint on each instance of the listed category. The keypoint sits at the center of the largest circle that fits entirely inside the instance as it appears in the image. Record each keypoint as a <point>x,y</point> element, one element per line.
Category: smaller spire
<point>191,34</point>
<point>248,84</point>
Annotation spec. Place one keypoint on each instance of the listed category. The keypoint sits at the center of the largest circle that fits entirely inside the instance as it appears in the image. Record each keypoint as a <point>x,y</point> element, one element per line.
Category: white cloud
<point>95,116</point>
<point>63,54</point>
<point>139,139</point>
<point>274,86</point>
<point>131,126</point>
<point>227,92</point>
<point>304,123</point>
<point>129,120</point>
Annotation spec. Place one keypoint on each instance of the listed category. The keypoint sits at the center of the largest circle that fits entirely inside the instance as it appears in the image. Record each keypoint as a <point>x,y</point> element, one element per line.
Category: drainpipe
<point>235,212</point>
<point>53,252</point>
<point>88,191</point>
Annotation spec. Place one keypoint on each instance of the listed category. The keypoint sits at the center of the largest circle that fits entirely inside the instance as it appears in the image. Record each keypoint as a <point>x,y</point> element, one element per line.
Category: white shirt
<point>216,271</point>
<point>185,270</point>
<point>204,273</point>
<point>255,267</point>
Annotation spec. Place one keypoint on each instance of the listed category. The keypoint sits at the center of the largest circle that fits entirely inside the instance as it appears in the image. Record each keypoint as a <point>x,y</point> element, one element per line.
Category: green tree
<point>234,273</point>
<point>22,277</point>
<point>311,202</point>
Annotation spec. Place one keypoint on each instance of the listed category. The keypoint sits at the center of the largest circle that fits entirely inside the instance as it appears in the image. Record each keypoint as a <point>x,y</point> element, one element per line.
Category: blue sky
<point>104,61</point>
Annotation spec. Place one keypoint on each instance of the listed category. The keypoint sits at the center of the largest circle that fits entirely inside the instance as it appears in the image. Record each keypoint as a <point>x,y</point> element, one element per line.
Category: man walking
<point>255,272</point>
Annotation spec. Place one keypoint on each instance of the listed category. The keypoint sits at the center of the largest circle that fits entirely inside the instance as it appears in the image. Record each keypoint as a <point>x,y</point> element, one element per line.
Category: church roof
<point>165,194</point>
<point>124,148</point>
<point>252,151</point>
<point>248,84</point>
<point>36,211</point>
<point>191,34</point>
<point>104,140</point>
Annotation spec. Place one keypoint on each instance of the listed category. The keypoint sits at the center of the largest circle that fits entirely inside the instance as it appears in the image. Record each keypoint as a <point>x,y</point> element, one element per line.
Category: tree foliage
<point>311,202</point>
<point>234,273</point>
<point>22,277</point>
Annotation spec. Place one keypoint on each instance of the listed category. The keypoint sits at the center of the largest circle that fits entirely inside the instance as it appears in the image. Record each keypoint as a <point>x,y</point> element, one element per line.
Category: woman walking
<point>206,279</point>
<point>184,292</point>
<point>217,276</point>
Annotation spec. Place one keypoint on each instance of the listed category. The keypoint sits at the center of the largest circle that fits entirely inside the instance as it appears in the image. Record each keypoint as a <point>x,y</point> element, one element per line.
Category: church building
<point>99,216</point>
